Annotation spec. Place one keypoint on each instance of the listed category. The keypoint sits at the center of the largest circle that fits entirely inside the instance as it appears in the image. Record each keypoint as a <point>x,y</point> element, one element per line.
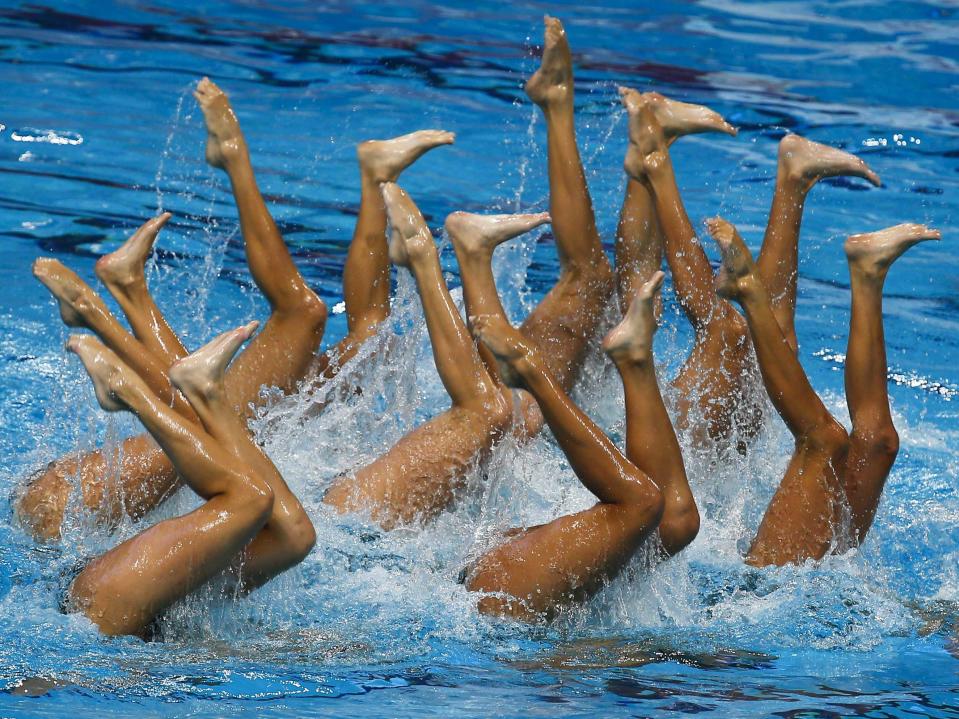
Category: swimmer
<point>137,476</point>
<point>539,570</point>
<point>245,514</point>
<point>718,381</point>
<point>831,472</point>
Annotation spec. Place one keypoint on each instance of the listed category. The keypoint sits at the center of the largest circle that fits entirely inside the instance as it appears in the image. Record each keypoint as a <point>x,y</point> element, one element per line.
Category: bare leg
<point>567,318</point>
<point>803,517</point>
<point>80,306</point>
<point>122,272</point>
<point>124,590</point>
<point>714,379</point>
<point>801,165</point>
<point>366,274</point>
<point>874,442</point>
<point>651,443</point>
<point>536,572</point>
<point>639,238</point>
<point>418,477</point>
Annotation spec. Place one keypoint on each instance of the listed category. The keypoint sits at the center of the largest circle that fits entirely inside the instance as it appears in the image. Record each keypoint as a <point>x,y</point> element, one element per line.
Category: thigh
<point>566,319</point>
<point>281,355</point>
<point>555,564</point>
<point>420,476</point>
<point>124,590</point>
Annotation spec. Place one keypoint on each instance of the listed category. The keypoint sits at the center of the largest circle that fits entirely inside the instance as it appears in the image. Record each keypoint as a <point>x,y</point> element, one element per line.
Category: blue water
<point>100,132</point>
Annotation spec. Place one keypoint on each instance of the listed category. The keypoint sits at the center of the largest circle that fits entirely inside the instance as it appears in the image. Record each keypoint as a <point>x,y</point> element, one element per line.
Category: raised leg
<point>418,477</point>
<point>801,165</point>
<point>639,237</point>
<point>874,442</point>
<point>803,518</point>
<point>713,384</point>
<point>651,443</point>
<point>567,318</point>
<point>124,590</point>
<point>538,571</point>
<point>122,272</point>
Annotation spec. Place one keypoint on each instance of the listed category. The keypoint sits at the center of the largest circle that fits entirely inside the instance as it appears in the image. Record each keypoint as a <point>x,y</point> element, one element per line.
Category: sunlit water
<point>99,132</point>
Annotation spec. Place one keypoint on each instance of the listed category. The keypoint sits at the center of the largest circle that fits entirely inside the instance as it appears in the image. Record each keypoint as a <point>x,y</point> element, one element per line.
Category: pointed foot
<point>808,162</point>
<point>105,369</point>
<point>124,267</point>
<point>552,83</point>
<point>872,253</point>
<point>411,239</point>
<point>384,160</point>
<point>225,140</point>
<point>76,299</point>
<point>199,375</point>
<point>737,274</point>
<point>632,339</point>
<point>480,234</point>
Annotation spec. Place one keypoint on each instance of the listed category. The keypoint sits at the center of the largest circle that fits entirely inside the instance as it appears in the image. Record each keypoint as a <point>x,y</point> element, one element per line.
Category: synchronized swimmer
<point>501,380</point>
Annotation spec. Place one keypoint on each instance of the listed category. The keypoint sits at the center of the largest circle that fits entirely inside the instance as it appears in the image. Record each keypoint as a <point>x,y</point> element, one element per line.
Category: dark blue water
<point>99,132</point>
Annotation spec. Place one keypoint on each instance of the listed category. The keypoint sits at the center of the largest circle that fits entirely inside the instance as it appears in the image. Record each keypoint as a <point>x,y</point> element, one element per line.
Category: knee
<point>253,497</point>
<point>882,441</point>
<point>646,506</point>
<point>679,526</point>
<point>828,436</point>
<point>38,507</point>
<point>305,307</point>
<point>301,537</point>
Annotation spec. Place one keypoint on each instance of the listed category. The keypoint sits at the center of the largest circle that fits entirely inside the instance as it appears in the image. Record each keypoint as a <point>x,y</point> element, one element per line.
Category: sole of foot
<point>124,266</point>
<point>481,234</point>
<point>676,118</point>
<point>809,161</point>
<point>104,367</point>
<point>224,137</point>
<point>737,263</point>
<point>872,253</point>
<point>385,160</point>
<point>72,294</point>
<point>632,339</point>
<point>200,373</point>
<point>552,83</point>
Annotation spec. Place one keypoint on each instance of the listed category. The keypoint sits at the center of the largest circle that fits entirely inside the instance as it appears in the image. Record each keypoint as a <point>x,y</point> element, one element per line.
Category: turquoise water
<point>100,132</point>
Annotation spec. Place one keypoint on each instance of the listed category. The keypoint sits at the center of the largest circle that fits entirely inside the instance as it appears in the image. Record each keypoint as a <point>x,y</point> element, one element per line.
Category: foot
<point>480,234</point>
<point>199,375</point>
<point>632,339</point>
<point>75,297</point>
<point>553,83</point>
<point>410,237</point>
<point>224,138</point>
<point>124,267</point>
<point>737,274</point>
<point>105,369</point>
<point>675,117</point>
<point>808,162</point>
<point>872,253</point>
<point>510,349</point>
<point>384,160</point>
<point>648,145</point>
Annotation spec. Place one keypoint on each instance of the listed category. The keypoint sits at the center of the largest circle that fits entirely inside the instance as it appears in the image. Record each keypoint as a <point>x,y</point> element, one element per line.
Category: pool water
<point>100,132</point>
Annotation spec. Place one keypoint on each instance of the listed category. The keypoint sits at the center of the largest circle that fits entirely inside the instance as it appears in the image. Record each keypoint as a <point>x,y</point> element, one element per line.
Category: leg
<point>802,520</point>
<point>801,165</point>
<point>874,442</point>
<point>80,306</point>
<point>288,535</point>
<point>566,319</point>
<point>639,238</point>
<point>366,274</point>
<point>416,479</point>
<point>651,443</point>
<point>124,590</point>
<point>122,272</point>
<point>714,380</point>
<point>535,573</point>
